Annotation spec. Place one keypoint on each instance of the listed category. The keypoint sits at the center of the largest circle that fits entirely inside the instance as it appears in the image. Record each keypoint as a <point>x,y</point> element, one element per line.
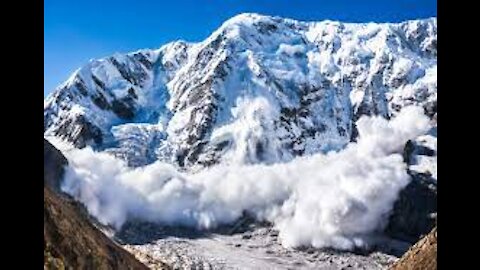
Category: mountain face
<point>258,89</point>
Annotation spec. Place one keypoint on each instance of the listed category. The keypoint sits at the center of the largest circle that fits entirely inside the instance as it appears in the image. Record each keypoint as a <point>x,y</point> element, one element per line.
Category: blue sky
<point>78,30</point>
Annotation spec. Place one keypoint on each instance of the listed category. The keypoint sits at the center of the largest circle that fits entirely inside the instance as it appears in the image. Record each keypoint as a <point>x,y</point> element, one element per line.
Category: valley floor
<point>255,248</point>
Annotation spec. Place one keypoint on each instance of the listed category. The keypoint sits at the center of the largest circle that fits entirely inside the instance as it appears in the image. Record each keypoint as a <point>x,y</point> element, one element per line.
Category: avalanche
<point>334,200</point>
<point>301,124</point>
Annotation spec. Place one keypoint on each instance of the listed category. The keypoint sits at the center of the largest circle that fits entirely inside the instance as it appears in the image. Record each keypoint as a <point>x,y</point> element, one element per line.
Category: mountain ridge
<point>182,103</point>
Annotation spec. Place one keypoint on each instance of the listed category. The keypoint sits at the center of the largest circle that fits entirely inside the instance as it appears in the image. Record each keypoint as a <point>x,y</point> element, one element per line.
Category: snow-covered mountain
<point>258,89</point>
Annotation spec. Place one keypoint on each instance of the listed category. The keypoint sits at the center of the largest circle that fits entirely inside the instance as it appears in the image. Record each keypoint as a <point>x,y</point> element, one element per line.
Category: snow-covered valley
<point>255,247</point>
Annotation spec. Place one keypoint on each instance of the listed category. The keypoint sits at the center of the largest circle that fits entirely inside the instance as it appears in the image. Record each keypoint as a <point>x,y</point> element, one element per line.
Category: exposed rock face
<point>70,240</point>
<point>53,166</point>
<point>182,103</point>
<point>422,256</point>
<point>414,213</point>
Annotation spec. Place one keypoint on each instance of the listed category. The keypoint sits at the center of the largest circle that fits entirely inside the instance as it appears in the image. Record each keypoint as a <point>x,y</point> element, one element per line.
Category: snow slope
<point>257,248</point>
<point>259,89</point>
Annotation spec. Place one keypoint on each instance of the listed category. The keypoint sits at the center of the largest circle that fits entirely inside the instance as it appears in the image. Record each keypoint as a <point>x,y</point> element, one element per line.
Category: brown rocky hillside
<point>70,239</point>
<point>421,256</point>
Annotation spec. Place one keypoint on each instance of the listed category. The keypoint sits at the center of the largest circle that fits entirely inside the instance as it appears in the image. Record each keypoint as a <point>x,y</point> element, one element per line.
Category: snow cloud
<point>323,200</point>
<point>291,50</point>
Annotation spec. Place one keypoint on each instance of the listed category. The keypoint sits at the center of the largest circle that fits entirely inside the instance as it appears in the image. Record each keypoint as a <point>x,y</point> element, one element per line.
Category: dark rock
<point>266,28</point>
<point>135,75</point>
<point>53,166</point>
<point>424,151</point>
<point>246,236</point>
<point>142,59</point>
<point>412,215</point>
<point>98,82</point>
<point>354,134</point>
<point>408,151</point>
<point>195,151</point>
<point>413,149</point>
<point>101,101</point>
<point>80,85</point>
<point>123,110</point>
<point>131,93</point>
<point>431,109</point>
<point>79,131</point>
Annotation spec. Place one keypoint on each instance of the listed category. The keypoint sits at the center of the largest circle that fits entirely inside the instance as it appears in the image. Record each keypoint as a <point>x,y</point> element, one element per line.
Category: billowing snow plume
<point>322,200</point>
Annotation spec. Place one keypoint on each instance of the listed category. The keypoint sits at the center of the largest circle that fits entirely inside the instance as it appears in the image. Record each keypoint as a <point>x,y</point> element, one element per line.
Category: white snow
<point>332,200</point>
<point>336,61</point>
<point>256,249</point>
<point>291,50</point>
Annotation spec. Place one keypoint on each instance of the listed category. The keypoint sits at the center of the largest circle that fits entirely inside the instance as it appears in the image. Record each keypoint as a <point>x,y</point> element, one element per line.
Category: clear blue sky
<point>78,30</point>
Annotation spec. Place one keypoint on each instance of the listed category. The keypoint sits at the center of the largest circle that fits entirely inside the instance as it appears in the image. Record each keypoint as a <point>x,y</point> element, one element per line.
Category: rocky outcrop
<point>414,212</point>
<point>72,242</point>
<point>70,239</point>
<point>421,256</point>
<point>53,166</point>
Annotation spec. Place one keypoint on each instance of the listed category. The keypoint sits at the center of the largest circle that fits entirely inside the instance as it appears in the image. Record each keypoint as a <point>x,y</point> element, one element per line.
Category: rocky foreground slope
<point>70,239</point>
<point>423,255</point>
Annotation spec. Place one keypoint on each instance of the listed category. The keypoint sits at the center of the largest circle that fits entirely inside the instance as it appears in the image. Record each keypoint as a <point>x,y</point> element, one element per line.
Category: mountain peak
<point>246,17</point>
<point>182,103</point>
